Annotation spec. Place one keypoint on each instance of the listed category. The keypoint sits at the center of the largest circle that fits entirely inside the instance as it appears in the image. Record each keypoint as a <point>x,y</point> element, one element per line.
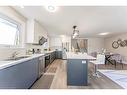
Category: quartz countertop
<point>46,52</point>
<point>72,55</point>
<point>5,64</point>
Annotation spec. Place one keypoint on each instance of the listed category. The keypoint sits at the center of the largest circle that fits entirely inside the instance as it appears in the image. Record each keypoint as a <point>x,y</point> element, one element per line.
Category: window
<point>9,32</point>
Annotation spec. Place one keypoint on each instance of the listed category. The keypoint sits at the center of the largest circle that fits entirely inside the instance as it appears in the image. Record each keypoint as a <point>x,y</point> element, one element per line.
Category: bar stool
<point>100,60</point>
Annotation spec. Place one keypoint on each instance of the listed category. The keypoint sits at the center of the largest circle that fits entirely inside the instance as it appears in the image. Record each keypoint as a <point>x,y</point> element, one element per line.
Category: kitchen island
<point>77,68</point>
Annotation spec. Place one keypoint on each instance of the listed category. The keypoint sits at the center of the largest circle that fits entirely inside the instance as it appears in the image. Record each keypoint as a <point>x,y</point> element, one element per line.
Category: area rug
<point>51,70</point>
<point>118,76</point>
<point>44,82</point>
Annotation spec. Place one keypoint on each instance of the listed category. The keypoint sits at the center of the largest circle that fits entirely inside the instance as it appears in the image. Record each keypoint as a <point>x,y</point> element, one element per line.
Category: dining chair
<point>100,60</point>
<point>117,58</point>
<point>94,54</point>
<point>108,58</point>
<point>124,61</point>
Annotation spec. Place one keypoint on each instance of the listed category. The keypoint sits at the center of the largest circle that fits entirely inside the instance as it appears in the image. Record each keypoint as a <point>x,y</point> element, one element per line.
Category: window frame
<point>19,28</point>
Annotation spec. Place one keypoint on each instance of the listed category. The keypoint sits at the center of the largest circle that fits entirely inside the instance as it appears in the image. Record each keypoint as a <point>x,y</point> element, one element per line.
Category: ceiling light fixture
<point>105,33</point>
<point>75,32</point>
<point>73,36</point>
<point>51,8</point>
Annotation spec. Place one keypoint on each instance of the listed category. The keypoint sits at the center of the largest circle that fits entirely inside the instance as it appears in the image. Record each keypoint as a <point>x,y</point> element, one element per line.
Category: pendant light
<point>75,32</point>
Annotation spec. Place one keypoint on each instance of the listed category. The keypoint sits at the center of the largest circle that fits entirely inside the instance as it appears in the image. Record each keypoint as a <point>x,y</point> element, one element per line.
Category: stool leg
<point>96,72</point>
<point>95,69</point>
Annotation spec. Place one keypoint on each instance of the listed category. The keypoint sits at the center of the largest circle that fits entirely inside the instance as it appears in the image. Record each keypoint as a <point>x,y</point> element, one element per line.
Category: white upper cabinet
<point>35,31</point>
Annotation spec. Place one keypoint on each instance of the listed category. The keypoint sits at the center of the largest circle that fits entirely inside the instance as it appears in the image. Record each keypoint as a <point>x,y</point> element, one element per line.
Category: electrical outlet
<point>83,62</point>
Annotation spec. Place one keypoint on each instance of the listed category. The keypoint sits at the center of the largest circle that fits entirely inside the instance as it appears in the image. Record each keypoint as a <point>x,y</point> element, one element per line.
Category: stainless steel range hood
<point>41,41</point>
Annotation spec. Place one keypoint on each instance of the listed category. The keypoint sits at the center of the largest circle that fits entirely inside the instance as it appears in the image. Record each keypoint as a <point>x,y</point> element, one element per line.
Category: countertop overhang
<point>72,55</point>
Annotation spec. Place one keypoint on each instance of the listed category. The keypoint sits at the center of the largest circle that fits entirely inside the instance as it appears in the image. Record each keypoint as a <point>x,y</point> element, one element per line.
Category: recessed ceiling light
<point>105,33</point>
<point>51,8</point>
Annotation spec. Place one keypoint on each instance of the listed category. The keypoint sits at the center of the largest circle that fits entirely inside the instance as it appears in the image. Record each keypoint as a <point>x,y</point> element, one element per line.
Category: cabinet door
<point>54,55</point>
<point>77,72</point>
<point>35,31</point>
<point>59,54</point>
<point>20,76</point>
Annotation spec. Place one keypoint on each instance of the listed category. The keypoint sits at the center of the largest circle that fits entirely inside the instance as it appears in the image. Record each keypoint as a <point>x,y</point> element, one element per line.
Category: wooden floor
<point>57,79</point>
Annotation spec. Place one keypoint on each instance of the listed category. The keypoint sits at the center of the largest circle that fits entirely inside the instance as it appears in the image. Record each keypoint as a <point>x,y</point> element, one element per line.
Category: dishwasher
<point>47,60</point>
<point>41,66</point>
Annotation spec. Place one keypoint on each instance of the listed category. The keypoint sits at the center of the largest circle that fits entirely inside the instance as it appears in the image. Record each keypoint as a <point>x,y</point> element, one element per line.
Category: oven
<point>47,60</point>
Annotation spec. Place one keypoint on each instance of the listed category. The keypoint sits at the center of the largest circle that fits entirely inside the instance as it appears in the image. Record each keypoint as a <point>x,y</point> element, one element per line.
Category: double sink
<point>16,58</point>
<point>21,57</point>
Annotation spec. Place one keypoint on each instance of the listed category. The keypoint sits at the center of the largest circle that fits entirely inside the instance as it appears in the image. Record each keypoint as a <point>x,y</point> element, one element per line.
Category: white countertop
<point>48,51</point>
<point>5,64</point>
<point>72,55</point>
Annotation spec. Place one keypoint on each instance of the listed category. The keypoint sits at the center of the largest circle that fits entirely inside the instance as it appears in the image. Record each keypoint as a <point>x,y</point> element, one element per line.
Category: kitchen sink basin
<point>17,58</point>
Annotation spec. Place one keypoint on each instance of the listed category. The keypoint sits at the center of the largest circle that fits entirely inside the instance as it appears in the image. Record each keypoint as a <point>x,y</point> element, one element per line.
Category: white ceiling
<point>90,20</point>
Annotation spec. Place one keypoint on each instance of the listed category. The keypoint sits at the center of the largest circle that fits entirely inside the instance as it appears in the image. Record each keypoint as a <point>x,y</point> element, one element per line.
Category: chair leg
<point>95,69</point>
<point>122,65</point>
<point>105,62</point>
<point>96,72</point>
<point>115,64</point>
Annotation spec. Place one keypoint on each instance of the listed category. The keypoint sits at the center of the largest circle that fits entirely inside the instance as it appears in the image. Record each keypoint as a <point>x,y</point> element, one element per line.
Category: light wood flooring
<point>55,78</point>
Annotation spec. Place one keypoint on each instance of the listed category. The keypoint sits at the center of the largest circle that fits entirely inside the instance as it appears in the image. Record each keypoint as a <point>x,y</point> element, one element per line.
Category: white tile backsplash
<point>7,52</point>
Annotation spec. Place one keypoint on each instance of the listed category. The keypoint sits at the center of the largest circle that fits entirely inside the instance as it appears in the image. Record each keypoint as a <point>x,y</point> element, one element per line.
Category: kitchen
<point>21,54</point>
<point>42,50</point>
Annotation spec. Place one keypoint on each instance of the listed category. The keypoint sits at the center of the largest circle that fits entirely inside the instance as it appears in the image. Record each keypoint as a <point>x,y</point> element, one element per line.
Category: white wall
<point>120,50</point>
<point>11,13</point>
<point>41,30</point>
<point>55,42</point>
<point>95,44</point>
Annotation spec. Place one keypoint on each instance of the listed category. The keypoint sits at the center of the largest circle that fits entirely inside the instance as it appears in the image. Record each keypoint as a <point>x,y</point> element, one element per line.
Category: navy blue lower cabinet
<point>77,72</point>
<point>52,57</point>
<point>58,54</point>
<point>20,76</point>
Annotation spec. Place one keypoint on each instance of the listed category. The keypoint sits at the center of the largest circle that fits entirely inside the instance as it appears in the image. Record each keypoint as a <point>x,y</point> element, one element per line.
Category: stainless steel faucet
<point>14,54</point>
